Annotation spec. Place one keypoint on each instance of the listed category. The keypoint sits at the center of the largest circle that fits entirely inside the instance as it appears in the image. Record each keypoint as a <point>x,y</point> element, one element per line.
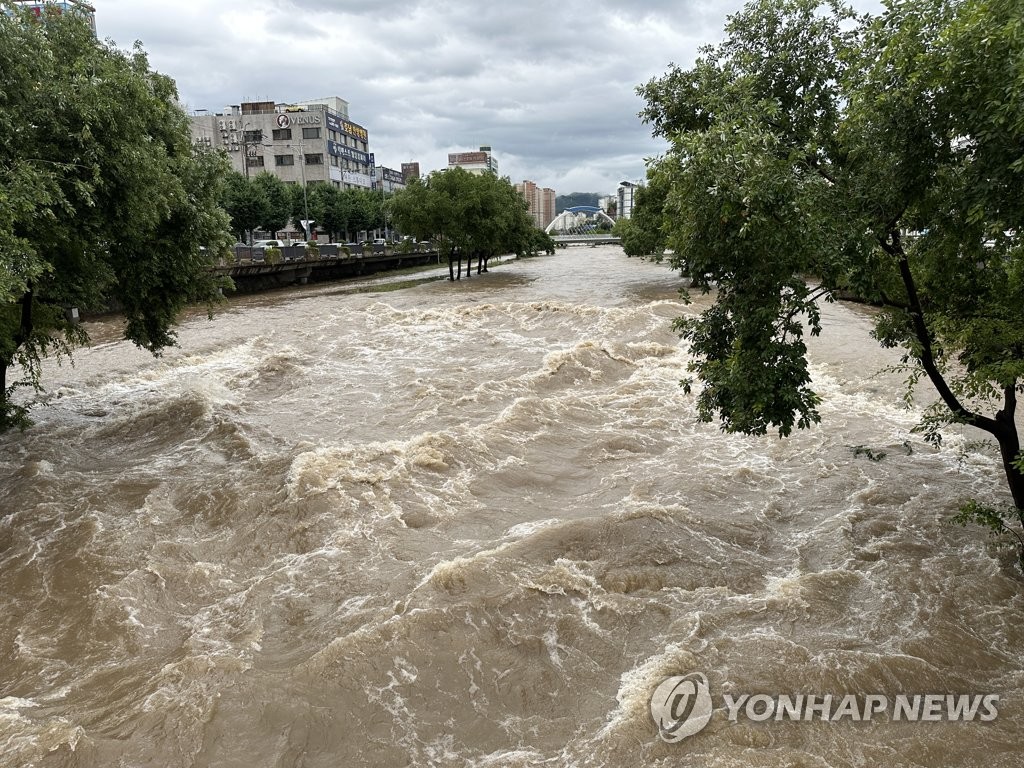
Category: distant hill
<point>576,198</point>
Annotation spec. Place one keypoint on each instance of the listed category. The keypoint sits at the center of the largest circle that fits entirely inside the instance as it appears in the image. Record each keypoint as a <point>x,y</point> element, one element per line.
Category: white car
<point>268,244</point>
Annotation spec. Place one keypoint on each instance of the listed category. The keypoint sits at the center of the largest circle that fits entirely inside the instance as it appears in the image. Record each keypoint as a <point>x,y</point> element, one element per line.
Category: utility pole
<point>245,148</point>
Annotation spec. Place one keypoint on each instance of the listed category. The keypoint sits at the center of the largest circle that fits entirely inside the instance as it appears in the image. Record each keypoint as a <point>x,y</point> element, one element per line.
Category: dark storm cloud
<point>550,86</point>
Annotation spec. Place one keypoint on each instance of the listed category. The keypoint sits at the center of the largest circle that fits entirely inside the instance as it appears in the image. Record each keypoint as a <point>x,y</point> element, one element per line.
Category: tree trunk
<point>1003,426</point>
<point>451,269</point>
<point>1014,477</point>
<point>1009,446</point>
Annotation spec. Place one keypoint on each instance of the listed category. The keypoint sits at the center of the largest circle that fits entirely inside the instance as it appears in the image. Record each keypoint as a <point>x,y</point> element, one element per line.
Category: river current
<point>477,524</point>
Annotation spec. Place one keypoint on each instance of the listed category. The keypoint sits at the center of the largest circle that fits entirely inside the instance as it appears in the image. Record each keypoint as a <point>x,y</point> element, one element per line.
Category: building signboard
<point>285,120</point>
<point>340,150</point>
<point>467,158</point>
<point>357,179</point>
<point>335,123</point>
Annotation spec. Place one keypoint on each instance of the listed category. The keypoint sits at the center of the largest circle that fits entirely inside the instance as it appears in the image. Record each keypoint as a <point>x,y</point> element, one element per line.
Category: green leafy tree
<point>644,233</point>
<point>245,202</point>
<point>337,212</point>
<point>878,155</point>
<point>278,199</point>
<point>318,198</point>
<point>103,199</point>
<point>411,209</point>
<point>361,207</point>
<point>370,207</point>
<point>324,208</point>
<point>467,215</point>
<point>299,198</point>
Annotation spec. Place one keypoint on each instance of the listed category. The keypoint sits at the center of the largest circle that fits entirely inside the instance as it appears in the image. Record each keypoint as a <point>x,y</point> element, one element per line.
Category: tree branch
<point>894,248</point>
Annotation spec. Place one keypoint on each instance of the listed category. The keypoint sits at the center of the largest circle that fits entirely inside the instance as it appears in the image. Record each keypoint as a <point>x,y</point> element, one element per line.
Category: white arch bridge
<point>582,224</point>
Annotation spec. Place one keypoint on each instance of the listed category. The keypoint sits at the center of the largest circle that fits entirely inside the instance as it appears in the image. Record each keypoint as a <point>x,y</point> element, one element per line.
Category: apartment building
<point>540,202</point>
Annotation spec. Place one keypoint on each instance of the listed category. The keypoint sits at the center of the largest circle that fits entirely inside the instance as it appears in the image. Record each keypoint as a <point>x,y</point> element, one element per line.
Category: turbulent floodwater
<point>477,524</point>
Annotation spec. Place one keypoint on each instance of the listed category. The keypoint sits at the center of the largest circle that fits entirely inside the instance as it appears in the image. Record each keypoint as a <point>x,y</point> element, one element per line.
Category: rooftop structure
<point>474,162</point>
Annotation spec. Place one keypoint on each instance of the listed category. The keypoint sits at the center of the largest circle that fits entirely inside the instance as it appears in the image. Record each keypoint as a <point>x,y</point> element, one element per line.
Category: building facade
<point>540,202</point>
<point>627,195</point>
<point>410,171</point>
<point>311,142</point>
<point>475,162</point>
<point>388,180</point>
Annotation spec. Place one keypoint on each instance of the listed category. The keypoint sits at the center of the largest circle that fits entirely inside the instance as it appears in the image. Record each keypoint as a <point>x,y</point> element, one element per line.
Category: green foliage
<point>466,212</point>
<point>278,198</point>
<point>103,199</point>
<point>537,241</point>
<point>814,151</point>
<point>644,233</point>
<point>272,255</point>
<point>245,202</point>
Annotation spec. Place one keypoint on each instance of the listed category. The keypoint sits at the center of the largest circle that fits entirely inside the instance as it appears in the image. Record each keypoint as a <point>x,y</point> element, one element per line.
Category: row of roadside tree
<point>266,203</point>
<point>89,220</point>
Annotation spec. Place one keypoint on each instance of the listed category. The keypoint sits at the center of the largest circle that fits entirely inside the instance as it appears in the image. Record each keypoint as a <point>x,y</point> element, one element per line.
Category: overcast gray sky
<point>549,85</point>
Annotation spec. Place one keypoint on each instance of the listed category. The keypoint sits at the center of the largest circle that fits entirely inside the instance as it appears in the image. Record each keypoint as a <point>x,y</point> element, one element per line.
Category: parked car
<point>268,244</point>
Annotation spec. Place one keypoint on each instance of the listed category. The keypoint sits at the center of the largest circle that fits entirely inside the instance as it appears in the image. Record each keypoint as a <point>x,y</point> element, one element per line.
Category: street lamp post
<point>305,202</point>
<point>383,203</point>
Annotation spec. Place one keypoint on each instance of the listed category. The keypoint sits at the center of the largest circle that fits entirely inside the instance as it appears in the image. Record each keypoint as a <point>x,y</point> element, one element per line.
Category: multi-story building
<point>410,171</point>
<point>627,196</point>
<point>309,142</point>
<point>474,162</point>
<point>388,180</point>
<point>548,207</point>
<point>540,202</point>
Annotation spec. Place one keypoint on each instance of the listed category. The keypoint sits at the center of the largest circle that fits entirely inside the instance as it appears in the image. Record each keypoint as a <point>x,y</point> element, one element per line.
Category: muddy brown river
<point>478,524</point>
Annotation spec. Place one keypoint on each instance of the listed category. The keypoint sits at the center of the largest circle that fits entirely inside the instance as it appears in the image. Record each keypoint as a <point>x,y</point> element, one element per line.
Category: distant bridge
<point>582,225</point>
<point>586,239</point>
